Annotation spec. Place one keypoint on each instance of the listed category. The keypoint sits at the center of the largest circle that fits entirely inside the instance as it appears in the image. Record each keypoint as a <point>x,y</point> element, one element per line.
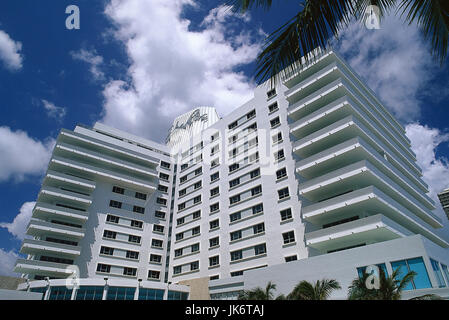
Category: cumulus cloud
<point>54,111</point>
<point>7,263</point>
<point>10,52</point>
<point>20,223</point>
<point>22,155</point>
<point>394,61</point>
<point>93,59</point>
<point>424,142</point>
<point>173,67</point>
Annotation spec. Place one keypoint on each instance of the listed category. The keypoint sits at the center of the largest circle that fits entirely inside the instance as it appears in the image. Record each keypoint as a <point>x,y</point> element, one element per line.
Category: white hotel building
<point>311,179</point>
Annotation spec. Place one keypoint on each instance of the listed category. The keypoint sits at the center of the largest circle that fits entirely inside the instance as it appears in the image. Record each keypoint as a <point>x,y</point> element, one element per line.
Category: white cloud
<point>93,59</point>
<point>173,67</point>
<point>19,225</point>
<point>54,111</point>
<point>424,141</point>
<point>22,155</point>
<point>394,61</point>
<point>7,263</point>
<point>10,52</point>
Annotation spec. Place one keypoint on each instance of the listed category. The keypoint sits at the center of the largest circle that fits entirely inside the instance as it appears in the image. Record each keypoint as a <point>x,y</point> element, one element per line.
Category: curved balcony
<point>373,229</point>
<point>40,247</point>
<point>352,151</point>
<point>52,194</point>
<point>39,228</point>
<point>59,179</point>
<point>359,175</point>
<point>50,269</point>
<point>346,129</point>
<point>369,200</point>
<point>47,211</point>
<point>70,165</point>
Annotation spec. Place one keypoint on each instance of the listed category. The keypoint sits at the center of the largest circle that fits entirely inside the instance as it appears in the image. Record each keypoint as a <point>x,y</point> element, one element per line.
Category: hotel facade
<point>310,179</point>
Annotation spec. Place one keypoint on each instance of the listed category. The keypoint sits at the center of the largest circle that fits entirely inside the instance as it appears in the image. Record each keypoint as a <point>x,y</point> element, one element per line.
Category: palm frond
<point>245,5</point>
<point>427,297</point>
<point>311,28</point>
<point>432,16</point>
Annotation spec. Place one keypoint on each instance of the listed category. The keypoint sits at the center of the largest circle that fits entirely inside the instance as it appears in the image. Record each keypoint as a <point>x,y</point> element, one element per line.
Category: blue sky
<point>136,64</point>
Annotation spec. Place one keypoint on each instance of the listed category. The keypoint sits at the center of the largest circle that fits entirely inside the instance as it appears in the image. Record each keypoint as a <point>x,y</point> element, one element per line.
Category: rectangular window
<point>118,190</point>
<point>177,270</point>
<point>214,176</point>
<point>112,219</point>
<point>271,93</point>
<point>255,173</point>
<point>195,231</point>
<point>184,166</point>
<point>286,214</point>
<point>283,193</point>
<point>214,242</point>
<point>155,258</point>
<point>103,268</point>
<point>197,185</point>
<point>273,107</point>
<point>161,201</point>
<point>195,247</point>
<point>259,228</point>
<point>115,204</point>
<point>152,274</point>
<point>233,167</point>
<point>235,216</point>
<point>275,122</point>
<point>251,114</point>
<point>107,251</point>
<point>178,252</point>
<point>164,176</point>
<point>215,191</point>
<point>196,214</point>
<point>214,224</point>
<point>136,224</point>
<point>214,163</point>
<point>182,192</point>
<point>156,243</point>
<point>214,261</point>
<point>129,271</point>
<point>141,196</point>
<point>134,239</point>
<point>257,208</point>
<point>159,214</point>
<point>232,125</point>
<point>158,228</point>
<point>198,171</point>
<point>421,280</point>
<point>138,209</point>
<point>180,221</point>
<point>109,234</point>
<point>279,155</point>
<point>132,255</point>
<point>234,199</point>
<point>236,255</point>
<point>291,258</point>
<point>289,237</point>
<point>165,165</point>
<point>180,236</point>
<point>256,190</point>
<point>162,188</point>
<point>260,249</point>
<point>438,273</point>
<point>197,199</point>
<point>277,138</point>
<point>281,173</point>
<point>234,182</point>
<point>194,265</point>
<point>236,235</point>
<point>214,207</point>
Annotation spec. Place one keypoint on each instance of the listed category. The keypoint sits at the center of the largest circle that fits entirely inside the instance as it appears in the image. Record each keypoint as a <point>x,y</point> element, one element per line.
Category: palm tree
<point>390,288</point>
<point>319,21</point>
<point>321,290</point>
<point>259,293</point>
